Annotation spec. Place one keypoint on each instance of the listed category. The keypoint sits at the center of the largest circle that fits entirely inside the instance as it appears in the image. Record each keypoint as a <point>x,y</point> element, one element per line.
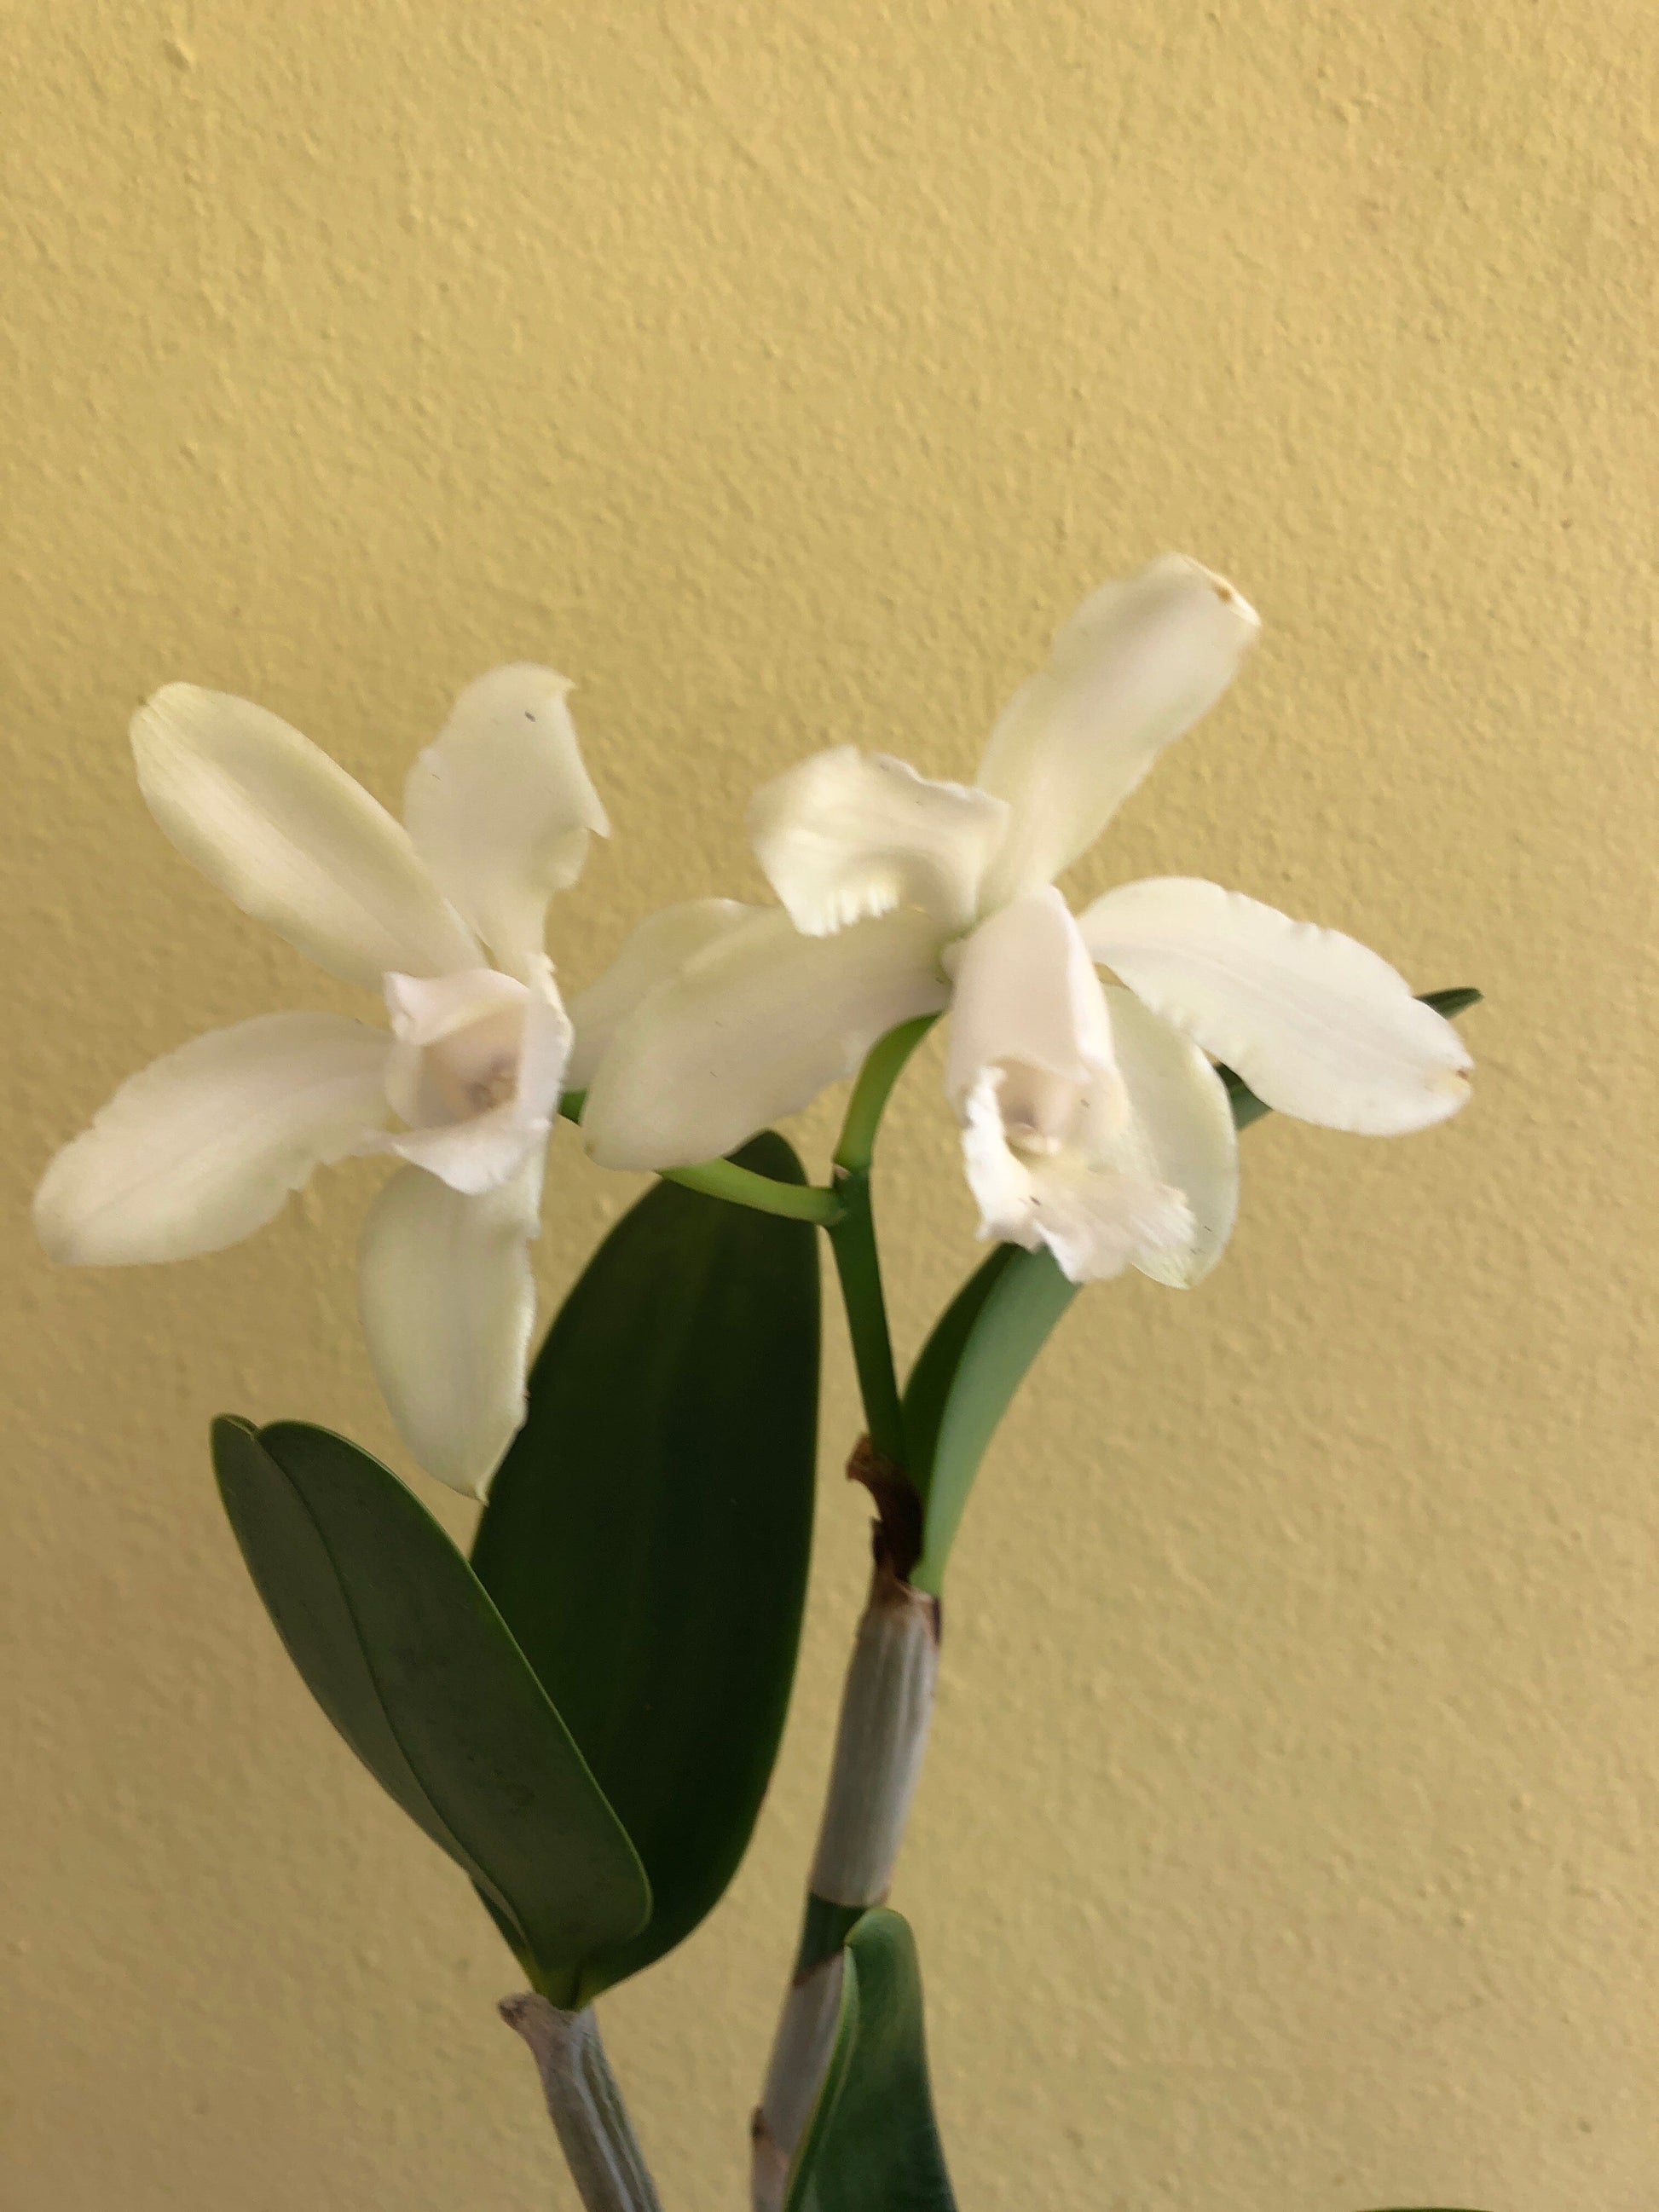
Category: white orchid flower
<point>1092,1119</point>
<point>204,1147</point>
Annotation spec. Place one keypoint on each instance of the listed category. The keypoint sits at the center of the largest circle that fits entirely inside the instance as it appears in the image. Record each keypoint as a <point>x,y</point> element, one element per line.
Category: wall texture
<point>784,373</point>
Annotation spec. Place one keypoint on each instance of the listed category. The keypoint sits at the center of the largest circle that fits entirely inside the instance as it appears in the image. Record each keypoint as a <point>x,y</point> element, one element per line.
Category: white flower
<point>204,1147</point>
<point>1092,1119</point>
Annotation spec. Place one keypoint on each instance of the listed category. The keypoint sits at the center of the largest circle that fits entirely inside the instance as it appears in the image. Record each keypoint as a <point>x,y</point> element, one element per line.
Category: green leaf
<point>871,2144</point>
<point>404,1652</point>
<point>968,1370</point>
<point>982,1347</point>
<point>646,1538</point>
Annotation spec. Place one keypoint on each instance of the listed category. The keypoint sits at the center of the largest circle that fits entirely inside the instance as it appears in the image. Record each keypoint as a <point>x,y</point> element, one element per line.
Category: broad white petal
<point>1318,1024</point>
<point>1027,997</point>
<point>1181,1135</point>
<point>202,1147</point>
<point>844,836</point>
<point>658,947</point>
<point>1094,1217</point>
<point>751,1029</point>
<point>1135,667</point>
<point>448,1302</point>
<point>292,838</point>
<point>501,806</point>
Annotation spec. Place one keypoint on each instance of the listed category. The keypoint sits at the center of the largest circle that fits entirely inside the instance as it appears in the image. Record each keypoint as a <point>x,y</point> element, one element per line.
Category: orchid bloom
<point>1092,1118</point>
<point>203,1146</point>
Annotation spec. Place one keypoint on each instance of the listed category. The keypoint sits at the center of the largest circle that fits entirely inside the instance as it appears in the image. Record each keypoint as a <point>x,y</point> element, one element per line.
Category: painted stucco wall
<point>783,374</point>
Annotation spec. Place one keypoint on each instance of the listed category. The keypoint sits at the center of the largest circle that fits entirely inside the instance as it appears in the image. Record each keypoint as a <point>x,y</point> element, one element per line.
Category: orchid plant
<point>584,1713</point>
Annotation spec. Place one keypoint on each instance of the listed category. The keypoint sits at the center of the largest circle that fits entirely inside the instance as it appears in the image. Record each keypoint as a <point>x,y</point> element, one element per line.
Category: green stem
<point>853,1239</point>
<point>741,1186</point>
<point>765,1193</point>
<point>880,1071</point>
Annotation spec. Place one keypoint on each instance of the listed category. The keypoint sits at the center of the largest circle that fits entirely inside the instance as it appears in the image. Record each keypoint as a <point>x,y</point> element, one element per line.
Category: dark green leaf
<point>1455,1001</point>
<point>404,1652</point>
<point>871,2144</point>
<point>646,1537</point>
<point>986,1342</point>
<point>928,1390</point>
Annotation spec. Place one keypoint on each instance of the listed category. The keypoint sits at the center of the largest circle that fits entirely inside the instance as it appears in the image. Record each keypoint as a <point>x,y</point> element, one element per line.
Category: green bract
<point>872,2143</point>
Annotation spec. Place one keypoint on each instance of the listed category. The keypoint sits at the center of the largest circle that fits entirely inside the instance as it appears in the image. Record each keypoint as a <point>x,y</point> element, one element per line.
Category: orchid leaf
<point>648,1534</point>
<point>986,1343</point>
<point>982,1347</point>
<point>401,1647</point>
<point>871,2144</point>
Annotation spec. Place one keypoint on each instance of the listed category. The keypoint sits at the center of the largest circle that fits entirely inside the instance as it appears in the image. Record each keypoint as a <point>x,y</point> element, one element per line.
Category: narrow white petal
<point>751,1029</point>
<point>292,838</point>
<point>1181,1135</point>
<point>501,806</point>
<point>1318,1024</point>
<point>448,1302</point>
<point>202,1147</point>
<point>1135,667</point>
<point>844,836</point>
<point>1027,995</point>
<point>657,949</point>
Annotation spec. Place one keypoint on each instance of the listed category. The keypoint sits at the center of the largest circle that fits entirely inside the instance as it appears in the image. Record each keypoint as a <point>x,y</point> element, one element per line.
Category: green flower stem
<point>585,2105</point>
<point>853,1240</point>
<point>881,1071</point>
<point>741,1186</point>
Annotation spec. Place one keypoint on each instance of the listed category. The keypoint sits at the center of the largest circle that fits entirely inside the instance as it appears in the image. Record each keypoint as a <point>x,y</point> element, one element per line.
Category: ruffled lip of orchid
<point>475,1067</point>
<point>1095,1219</point>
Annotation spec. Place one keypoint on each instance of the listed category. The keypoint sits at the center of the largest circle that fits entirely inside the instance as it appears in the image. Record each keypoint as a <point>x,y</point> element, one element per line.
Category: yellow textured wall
<point>784,373</point>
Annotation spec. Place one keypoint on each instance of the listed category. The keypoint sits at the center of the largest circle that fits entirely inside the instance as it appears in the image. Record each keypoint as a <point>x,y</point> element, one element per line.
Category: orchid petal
<point>1181,1135</point>
<point>1135,667</point>
<point>844,836</point>
<point>448,1302</point>
<point>752,1027</point>
<point>202,1147</point>
<point>1318,1024</point>
<point>1094,1219</point>
<point>501,806</point>
<point>657,950</point>
<point>288,835</point>
<point>1027,994</point>
<point>1050,1143</point>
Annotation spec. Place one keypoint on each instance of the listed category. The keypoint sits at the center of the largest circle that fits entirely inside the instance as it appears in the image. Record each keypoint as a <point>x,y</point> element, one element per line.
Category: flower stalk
<point>886,1708</point>
<point>887,1701</point>
<point>584,2104</point>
